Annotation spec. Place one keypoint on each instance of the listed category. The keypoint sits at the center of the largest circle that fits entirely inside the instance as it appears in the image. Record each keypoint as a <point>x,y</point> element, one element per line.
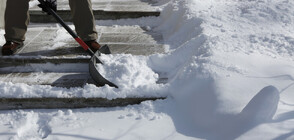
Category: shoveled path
<point>102,9</point>
<point>51,57</point>
<point>47,60</point>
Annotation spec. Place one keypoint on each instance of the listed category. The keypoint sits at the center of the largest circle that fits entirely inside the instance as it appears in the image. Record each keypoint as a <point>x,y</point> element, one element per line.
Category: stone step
<point>57,42</point>
<point>73,50</point>
<point>75,102</point>
<point>47,50</point>
<point>55,76</point>
<point>21,61</point>
<point>60,79</point>
<point>102,9</point>
<point>55,45</point>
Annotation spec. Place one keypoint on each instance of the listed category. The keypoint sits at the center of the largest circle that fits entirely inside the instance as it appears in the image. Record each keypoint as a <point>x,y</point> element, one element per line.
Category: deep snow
<point>230,70</point>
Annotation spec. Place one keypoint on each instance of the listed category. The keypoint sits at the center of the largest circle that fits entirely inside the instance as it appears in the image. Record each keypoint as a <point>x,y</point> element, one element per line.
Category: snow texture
<point>230,71</point>
<point>127,71</point>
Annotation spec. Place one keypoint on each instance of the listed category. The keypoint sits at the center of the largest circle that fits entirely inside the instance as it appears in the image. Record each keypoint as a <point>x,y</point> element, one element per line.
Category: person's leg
<point>83,19</point>
<point>16,20</point>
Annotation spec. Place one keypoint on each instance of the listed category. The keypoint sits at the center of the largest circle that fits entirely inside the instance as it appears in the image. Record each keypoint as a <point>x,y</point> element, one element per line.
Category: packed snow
<point>230,76</point>
<point>127,71</point>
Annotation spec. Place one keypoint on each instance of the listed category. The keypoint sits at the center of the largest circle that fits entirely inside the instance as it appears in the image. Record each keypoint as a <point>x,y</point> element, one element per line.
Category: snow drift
<point>224,80</point>
<point>229,68</point>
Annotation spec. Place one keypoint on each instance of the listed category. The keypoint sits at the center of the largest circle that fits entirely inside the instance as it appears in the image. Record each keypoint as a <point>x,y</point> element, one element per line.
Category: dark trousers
<point>17,19</point>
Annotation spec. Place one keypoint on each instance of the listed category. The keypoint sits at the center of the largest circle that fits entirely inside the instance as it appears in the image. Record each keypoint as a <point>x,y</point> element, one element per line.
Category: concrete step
<point>103,9</point>
<point>56,42</point>
<point>65,79</point>
<point>60,79</point>
<point>55,45</point>
<point>22,61</point>
<point>59,73</point>
<point>47,51</point>
<point>75,102</point>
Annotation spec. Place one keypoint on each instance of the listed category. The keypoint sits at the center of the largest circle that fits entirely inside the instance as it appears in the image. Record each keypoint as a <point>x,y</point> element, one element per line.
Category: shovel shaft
<point>84,45</point>
<point>67,28</point>
<point>97,77</point>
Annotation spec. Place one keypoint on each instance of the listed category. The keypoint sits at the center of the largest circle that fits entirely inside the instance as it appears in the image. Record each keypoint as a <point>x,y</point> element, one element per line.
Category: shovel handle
<point>67,28</point>
<point>97,77</point>
<point>84,45</point>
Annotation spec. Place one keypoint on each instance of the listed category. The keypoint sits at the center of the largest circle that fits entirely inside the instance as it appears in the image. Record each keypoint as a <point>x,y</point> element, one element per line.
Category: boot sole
<point>13,51</point>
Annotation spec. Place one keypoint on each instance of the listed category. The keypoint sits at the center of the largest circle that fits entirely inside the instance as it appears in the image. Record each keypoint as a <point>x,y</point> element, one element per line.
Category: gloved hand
<point>49,3</point>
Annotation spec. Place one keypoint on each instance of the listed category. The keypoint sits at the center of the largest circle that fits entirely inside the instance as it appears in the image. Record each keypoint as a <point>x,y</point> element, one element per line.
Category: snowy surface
<point>230,69</point>
<point>127,71</point>
<point>2,39</point>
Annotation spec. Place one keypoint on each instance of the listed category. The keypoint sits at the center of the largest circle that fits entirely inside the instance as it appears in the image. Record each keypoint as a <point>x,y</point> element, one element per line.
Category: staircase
<point>42,61</point>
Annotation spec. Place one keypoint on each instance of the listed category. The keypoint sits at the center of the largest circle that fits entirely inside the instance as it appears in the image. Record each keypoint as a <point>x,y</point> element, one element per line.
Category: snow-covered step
<point>54,45</point>
<point>63,76</point>
<point>52,57</point>
<point>55,41</point>
<point>103,9</point>
<point>57,79</point>
<point>53,103</point>
<point>73,50</point>
<point>10,61</point>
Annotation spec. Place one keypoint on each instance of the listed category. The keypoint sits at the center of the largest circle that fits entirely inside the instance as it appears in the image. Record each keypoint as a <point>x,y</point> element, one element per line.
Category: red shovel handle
<point>82,43</point>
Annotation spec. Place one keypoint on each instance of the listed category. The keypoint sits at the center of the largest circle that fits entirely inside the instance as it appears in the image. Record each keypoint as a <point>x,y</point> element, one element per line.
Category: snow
<point>230,71</point>
<point>33,3</point>
<point>2,39</point>
<point>127,71</point>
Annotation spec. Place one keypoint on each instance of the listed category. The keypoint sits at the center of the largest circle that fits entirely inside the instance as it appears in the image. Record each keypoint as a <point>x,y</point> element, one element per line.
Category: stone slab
<point>105,9</point>
<point>134,40</point>
<point>65,80</point>
<point>40,49</point>
<point>136,49</point>
<point>22,61</point>
<point>131,38</point>
<point>53,103</point>
<point>145,5</point>
<point>57,79</point>
<point>44,55</point>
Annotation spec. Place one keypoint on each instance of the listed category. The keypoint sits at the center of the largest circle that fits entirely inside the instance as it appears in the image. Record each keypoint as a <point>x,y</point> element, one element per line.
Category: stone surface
<point>102,9</point>
<point>135,40</point>
<point>30,66</point>
<point>53,103</point>
<point>46,59</point>
<point>66,80</point>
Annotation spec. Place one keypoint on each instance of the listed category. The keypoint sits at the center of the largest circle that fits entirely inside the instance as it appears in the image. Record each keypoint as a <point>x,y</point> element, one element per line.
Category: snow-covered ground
<point>230,69</point>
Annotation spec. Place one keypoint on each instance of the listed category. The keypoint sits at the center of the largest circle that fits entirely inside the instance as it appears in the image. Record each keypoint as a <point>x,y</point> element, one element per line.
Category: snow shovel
<point>97,77</point>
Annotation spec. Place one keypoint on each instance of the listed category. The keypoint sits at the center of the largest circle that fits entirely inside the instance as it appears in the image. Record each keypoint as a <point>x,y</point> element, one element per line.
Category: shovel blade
<point>96,76</point>
<point>105,49</point>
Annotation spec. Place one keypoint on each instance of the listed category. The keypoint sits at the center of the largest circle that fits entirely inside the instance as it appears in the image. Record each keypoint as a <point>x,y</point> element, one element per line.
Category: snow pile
<point>224,56</point>
<point>30,126</point>
<point>127,71</point>
<point>19,90</point>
